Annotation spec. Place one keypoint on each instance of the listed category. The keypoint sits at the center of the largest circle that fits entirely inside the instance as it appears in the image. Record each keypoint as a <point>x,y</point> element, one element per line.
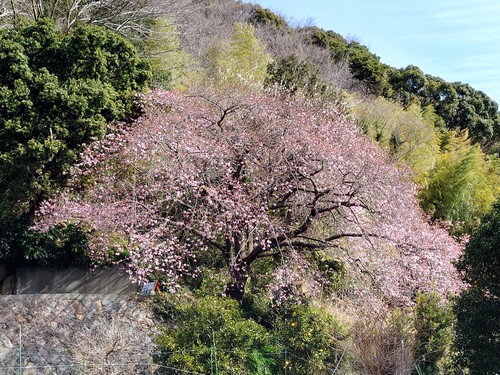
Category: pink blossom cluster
<point>251,175</point>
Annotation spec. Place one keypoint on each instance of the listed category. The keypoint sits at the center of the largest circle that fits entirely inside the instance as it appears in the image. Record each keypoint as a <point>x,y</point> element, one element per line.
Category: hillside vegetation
<point>306,208</point>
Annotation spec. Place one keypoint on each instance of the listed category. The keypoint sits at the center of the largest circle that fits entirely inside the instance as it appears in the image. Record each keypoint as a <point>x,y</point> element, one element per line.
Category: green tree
<point>442,96</point>
<point>61,246</point>
<point>407,135</point>
<point>476,112</point>
<point>460,106</point>
<point>478,307</point>
<point>242,60</point>
<point>463,185</point>
<point>57,93</point>
<point>408,84</point>
<point>330,40</point>
<point>265,17</point>
<point>366,67</point>
<point>172,67</point>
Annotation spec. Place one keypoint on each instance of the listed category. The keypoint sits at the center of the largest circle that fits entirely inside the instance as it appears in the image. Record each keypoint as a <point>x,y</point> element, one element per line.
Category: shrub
<point>434,333</point>
<point>310,339</point>
<point>210,332</point>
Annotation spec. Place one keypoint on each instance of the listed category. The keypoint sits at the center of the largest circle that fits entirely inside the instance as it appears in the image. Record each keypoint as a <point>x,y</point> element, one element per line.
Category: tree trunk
<point>239,277</point>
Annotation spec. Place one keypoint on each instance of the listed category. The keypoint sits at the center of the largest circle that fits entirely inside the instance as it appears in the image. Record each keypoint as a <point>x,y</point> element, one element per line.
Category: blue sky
<point>457,40</point>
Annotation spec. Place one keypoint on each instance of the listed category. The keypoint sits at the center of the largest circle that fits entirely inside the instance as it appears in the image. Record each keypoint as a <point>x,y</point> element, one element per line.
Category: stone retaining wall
<point>75,334</point>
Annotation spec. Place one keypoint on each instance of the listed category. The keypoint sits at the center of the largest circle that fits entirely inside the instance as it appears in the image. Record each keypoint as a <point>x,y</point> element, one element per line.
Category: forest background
<point>302,202</point>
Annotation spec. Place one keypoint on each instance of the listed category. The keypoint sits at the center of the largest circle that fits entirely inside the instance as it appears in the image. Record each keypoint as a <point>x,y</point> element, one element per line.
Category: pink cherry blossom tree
<point>251,175</point>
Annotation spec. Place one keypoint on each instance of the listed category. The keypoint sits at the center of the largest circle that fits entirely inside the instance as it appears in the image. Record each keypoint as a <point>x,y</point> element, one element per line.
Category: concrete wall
<point>37,280</point>
<point>7,279</point>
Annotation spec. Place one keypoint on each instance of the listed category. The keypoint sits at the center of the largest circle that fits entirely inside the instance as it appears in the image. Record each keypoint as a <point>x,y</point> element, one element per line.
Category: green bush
<point>61,246</point>
<point>433,321</point>
<point>208,333</point>
<point>310,339</point>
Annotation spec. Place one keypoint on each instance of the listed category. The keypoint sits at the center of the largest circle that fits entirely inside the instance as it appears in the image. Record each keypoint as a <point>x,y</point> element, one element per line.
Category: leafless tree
<point>210,20</point>
<point>128,17</point>
<point>383,343</point>
<point>282,43</point>
<point>213,20</point>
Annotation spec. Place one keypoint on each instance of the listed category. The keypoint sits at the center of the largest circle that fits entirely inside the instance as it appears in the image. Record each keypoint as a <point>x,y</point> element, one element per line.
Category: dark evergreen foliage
<point>478,308</point>
<point>57,93</point>
<point>264,17</point>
